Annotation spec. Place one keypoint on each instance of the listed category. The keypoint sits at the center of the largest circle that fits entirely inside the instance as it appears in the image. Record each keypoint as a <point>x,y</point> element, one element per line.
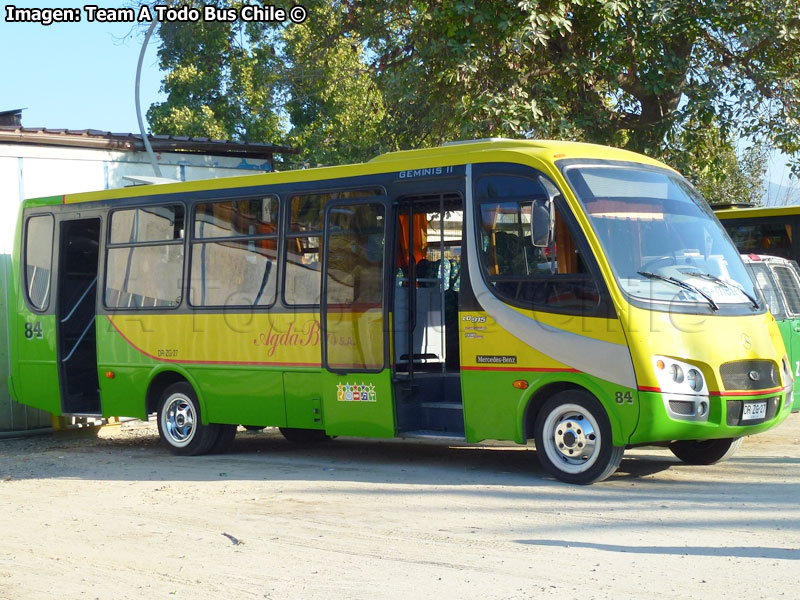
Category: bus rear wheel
<point>304,436</point>
<point>179,423</point>
<point>224,440</point>
<point>705,452</point>
<point>573,438</point>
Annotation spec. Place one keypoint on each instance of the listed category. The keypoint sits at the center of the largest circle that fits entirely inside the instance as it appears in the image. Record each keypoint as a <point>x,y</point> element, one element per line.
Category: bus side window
<point>303,247</point>
<point>774,239</point>
<point>38,260</point>
<point>234,251</point>
<point>144,261</point>
<point>790,285</point>
<point>767,287</point>
<point>302,262</point>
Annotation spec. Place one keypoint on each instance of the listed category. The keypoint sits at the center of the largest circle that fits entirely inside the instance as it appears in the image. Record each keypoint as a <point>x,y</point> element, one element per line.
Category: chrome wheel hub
<point>571,438</point>
<point>575,439</point>
<point>179,419</point>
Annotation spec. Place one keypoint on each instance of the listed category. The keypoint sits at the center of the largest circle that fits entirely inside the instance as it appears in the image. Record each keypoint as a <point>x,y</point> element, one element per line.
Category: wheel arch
<point>549,389</point>
<point>161,379</point>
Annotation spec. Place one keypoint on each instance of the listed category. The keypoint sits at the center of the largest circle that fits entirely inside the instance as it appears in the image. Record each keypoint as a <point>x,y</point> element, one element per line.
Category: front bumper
<point>657,423</point>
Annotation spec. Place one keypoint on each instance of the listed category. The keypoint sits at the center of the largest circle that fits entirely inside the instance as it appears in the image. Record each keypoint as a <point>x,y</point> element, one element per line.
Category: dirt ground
<point>113,515</point>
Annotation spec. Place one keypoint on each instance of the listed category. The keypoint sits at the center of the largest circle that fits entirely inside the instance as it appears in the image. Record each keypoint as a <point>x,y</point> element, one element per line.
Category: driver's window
<point>513,212</point>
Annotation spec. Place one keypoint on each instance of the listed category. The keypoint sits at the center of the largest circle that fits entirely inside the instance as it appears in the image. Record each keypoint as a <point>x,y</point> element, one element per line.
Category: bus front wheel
<point>179,423</point>
<point>705,452</point>
<point>573,438</point>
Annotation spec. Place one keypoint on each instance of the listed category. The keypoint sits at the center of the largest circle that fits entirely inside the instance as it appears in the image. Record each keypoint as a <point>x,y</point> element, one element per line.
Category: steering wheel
<point>650,263</point>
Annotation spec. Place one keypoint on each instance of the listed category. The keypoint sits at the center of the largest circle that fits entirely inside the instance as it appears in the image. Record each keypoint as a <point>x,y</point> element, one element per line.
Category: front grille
<point>749,375</point>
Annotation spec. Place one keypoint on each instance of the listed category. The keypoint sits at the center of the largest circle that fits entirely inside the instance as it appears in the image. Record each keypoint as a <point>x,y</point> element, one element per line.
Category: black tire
<point>224,439</point>
<point>705,452</point>
<point>573,438</point>
<point>179,422</point>
<point>304,436</point>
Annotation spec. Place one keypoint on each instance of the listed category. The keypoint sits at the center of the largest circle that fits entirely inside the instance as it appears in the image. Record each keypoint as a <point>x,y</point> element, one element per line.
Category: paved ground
<point>116,516</point>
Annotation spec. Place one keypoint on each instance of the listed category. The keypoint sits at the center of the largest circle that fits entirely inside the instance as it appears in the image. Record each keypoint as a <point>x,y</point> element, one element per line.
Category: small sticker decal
<point>354,392</point>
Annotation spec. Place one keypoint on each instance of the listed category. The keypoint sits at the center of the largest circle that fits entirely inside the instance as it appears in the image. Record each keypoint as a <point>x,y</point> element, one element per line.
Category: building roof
<point>11,117</point>
<point>132,142</point>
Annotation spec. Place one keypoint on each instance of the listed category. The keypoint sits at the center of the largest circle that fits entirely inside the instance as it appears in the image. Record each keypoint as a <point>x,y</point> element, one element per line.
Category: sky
<point>82,76</point>
<point>76,75</point>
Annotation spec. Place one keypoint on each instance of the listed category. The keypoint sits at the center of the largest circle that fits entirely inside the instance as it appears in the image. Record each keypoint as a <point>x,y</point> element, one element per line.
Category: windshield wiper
<point>681,284</point>
<point>730,284</point>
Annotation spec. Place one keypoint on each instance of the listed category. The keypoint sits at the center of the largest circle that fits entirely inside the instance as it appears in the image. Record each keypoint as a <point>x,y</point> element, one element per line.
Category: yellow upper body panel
<point>706,341</point>
<point>541,154</point>
<point>756,212</point>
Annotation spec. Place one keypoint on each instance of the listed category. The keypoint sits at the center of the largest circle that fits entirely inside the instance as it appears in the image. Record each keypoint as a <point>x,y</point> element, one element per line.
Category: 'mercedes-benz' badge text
<point>483,359</point>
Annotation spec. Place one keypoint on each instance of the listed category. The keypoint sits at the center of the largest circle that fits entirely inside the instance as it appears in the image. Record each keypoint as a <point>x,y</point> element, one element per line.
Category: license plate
<point>754,410</point>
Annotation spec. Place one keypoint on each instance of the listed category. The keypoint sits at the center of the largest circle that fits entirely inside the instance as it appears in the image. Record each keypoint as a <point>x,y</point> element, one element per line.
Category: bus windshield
<point>660,237</point>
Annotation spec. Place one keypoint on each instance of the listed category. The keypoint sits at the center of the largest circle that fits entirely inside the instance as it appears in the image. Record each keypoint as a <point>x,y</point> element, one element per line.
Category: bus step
<point>443,405</point>
<point>91,415</point>
<point>429,434</point>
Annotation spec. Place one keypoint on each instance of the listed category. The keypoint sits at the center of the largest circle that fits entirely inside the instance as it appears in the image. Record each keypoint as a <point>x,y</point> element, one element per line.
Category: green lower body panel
<point>238,395</point>
<point>495,409</point>
<point>358,404</point>
<point>37,385</point>
<point>725,418</point>
<point>303,393</point>
<point>124,394</point>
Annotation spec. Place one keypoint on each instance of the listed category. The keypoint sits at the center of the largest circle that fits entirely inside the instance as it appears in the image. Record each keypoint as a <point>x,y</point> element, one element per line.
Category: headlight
<point>678,377</point>
<point>695,380</point>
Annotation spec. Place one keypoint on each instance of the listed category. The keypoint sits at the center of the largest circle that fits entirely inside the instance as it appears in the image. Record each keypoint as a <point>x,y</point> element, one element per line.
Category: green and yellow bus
<point>577,295</point>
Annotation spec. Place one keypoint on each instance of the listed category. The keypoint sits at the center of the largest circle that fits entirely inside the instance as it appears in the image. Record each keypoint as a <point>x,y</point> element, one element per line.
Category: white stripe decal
<point>606,360</point>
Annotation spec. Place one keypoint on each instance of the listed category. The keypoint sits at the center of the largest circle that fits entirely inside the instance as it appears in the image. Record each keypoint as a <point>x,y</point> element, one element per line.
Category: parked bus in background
<point>581,296</point>
<point>779,282</point>
<point>766,230</point>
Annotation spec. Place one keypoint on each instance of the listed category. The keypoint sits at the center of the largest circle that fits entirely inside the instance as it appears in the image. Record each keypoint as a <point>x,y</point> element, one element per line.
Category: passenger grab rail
<point>80,339</point>
<point>78,303</point>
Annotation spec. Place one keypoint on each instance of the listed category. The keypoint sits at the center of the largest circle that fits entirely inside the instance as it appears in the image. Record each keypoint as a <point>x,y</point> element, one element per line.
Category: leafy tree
<point>304,84</point>
<point>663,77</point>
<point>719,172</point>
<point>630,73</point>
<point>334,105</point>
<point>221,80</point>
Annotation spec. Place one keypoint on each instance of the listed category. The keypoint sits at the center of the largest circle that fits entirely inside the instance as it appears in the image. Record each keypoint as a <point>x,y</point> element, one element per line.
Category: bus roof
<point>758,211</point>
<point>453,153</point>
<point>550,150</point>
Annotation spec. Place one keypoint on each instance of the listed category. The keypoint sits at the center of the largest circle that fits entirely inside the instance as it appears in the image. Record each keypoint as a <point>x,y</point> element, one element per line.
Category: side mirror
<point>542,219</point>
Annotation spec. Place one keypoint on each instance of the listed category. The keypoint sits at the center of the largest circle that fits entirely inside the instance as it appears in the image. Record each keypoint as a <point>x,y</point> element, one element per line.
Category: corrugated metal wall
<point>13,416</point>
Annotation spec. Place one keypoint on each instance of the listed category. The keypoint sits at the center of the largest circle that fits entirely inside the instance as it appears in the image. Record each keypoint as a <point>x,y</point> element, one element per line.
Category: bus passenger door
<point>425,312</point>
<point>357,383</point>
<point>58,360</point>
<point>77,313</point>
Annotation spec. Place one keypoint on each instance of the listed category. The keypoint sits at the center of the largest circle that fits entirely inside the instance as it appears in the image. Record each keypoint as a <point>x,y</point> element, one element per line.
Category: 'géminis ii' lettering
<point>43,16</point>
